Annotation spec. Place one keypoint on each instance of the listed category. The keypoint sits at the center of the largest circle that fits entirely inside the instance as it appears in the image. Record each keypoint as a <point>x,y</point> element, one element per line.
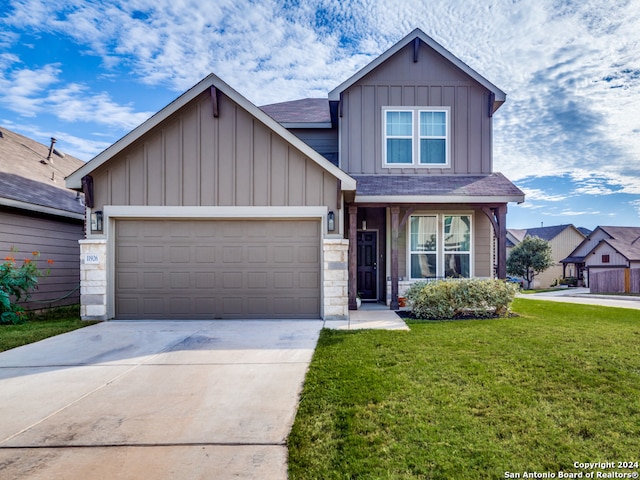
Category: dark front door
<point>367,266</point>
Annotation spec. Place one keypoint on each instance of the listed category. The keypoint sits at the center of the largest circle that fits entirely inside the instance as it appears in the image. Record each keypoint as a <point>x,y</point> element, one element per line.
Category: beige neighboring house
<point>563,239</point>
<point>39,214</point>
<point>605,249</point>
<point>216,208</point>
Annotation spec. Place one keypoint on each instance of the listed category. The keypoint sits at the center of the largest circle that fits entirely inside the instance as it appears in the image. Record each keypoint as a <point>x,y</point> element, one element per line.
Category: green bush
<point>569,281</point>
<point>16,284</point>
<point>447,299</point>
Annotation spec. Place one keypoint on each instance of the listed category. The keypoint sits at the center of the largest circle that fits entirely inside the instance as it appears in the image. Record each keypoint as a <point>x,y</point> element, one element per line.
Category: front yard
<point>481,399</point>
<point>37,328</point>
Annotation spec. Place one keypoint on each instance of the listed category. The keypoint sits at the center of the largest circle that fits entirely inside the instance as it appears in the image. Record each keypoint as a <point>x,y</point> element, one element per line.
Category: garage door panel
<point>205,254</point>
<point>205,280</point>
<point>180,280</point>
<point>179,254</point>
<point>153,254</point>
<point>217,269</point>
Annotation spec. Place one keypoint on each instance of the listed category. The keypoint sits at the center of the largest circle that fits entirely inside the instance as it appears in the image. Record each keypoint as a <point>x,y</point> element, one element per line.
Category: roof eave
<point>439,199</point>
<point>32,207</point>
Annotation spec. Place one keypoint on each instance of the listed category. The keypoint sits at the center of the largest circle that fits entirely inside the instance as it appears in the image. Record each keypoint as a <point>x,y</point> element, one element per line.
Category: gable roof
<point>30,181</point>
<point>75,179</point>
<point>623,239</point>
<point>500,96</point>
<point>549,233</point>
<point>629,251</point>
<point>517,233</point>
<point>627,235</point>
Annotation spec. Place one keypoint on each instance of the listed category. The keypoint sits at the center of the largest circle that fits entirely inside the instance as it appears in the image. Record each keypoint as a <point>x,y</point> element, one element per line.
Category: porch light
<point>96,221</point>
<point>331,221</point>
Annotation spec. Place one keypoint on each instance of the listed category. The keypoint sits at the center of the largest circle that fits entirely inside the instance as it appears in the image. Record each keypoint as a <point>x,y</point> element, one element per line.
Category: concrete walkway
<point>157,400</point>
<point>583,296</point>
<point>374,316</point>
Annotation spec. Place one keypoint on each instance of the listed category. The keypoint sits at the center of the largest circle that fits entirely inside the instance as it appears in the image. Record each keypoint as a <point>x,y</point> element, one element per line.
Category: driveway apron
<point>154,399</point>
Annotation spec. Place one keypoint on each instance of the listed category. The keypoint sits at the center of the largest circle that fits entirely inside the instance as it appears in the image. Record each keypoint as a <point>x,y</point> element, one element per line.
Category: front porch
<point>383,261</point>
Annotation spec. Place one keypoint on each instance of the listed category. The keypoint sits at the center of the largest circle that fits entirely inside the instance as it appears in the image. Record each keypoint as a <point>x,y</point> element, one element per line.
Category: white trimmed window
<point>440,246</point>
<point>416,137</point>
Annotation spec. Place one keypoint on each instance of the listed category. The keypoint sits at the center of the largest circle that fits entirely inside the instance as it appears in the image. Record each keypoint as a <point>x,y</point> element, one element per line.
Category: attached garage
<point>217,269</point>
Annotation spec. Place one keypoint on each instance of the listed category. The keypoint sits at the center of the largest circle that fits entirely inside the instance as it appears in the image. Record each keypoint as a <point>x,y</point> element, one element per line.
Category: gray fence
<point>613,281</point>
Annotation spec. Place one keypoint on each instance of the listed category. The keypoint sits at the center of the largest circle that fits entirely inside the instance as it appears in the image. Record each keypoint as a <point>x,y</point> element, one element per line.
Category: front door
<point>367,266</point>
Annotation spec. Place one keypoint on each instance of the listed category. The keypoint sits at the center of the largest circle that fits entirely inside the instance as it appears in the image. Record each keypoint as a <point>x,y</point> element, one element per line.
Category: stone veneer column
<point>335,286</point>
<point>93,279</point>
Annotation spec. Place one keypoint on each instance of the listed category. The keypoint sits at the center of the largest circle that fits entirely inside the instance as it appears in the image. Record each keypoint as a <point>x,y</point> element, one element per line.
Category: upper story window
<point>416,136</point>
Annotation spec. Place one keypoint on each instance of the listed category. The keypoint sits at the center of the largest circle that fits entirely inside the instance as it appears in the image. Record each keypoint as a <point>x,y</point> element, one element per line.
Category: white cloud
<point>571,69</point>
<point>539,194</point>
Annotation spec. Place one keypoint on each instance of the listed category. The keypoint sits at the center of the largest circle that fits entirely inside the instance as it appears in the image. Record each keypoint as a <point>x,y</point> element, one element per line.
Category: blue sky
<point>88,71</point>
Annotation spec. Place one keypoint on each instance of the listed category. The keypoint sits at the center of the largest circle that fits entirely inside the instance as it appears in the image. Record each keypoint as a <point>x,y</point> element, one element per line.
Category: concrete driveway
<point>156,400</point>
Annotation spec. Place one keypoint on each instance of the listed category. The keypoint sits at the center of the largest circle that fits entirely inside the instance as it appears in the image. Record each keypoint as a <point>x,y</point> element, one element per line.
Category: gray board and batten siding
<point>55,239</point>
<point>432,81</point>
<point>194,159</point>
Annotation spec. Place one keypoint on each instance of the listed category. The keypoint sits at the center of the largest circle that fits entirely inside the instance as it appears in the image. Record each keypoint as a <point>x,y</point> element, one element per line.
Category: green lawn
<point>41,327</point>
<point>558,384</point>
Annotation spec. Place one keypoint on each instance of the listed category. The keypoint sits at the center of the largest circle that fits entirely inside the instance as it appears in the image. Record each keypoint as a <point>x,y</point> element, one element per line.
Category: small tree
<point>529,258</point>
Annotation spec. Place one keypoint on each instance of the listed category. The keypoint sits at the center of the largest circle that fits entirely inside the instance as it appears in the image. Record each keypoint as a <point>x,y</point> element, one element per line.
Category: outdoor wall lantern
<point>331,221</point>
<point>96,221</point>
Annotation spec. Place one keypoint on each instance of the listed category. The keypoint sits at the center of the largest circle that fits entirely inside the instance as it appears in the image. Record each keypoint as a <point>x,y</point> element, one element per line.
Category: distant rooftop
<point>29,177</point>
<point>304,111</point>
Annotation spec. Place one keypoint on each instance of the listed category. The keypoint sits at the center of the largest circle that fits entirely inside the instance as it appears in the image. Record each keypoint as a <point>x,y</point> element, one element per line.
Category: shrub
<point>569,281</point>
<point>447,299</point>
<point>16,284</point>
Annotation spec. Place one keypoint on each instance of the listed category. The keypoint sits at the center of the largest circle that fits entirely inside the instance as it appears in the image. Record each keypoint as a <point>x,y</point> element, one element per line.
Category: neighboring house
<point>562,239</point>
<point>606,248</point>
<point>38,214</point>
<point>215,209</point>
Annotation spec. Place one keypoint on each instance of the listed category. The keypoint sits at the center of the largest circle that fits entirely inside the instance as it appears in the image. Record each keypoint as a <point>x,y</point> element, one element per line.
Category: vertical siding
<point>432,81</point>
<point>561,247</point>
<point>56,240</point>
<point>483,244</point>
<point>194,159</point>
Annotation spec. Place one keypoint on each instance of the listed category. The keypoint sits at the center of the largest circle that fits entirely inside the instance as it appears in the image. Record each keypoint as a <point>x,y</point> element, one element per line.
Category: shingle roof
<point>24,179</point>
<point>494,185</point>
<point>626,240</point>
<point>631,251</point>
<point>623,234</point>
<point>547,233</point>
<point>306,110</point>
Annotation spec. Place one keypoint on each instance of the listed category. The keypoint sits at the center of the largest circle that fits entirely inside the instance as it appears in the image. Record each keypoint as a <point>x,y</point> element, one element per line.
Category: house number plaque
<point>91,259</point>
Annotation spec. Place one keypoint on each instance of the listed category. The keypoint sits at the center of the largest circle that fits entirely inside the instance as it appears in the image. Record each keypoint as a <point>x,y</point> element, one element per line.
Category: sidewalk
<point>375,316</point>
<point>584,296</point>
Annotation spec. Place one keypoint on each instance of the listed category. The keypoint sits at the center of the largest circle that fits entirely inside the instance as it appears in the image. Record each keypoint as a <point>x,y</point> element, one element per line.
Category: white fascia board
<point>500,95</point>
<point>136,211</point>
<point>74,180</point>
<point>438,199</point>
<point>7,202</point>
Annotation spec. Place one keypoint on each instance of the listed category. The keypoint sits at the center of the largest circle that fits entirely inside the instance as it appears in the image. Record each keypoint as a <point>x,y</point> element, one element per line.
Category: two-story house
<point>215,208</point>
<point>562,239</point>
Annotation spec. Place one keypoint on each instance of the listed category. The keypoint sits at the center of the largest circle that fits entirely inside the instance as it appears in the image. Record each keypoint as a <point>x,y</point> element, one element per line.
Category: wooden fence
<point>615,281</point>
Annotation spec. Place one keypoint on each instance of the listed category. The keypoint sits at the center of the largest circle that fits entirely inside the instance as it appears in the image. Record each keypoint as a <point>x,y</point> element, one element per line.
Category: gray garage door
<point>205,269</point>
